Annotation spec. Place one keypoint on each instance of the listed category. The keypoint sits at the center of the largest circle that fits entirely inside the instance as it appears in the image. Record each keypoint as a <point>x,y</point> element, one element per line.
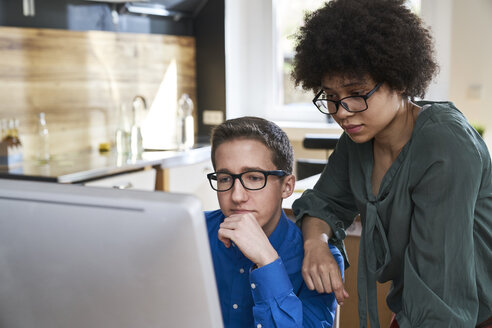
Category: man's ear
<point>288,185</point>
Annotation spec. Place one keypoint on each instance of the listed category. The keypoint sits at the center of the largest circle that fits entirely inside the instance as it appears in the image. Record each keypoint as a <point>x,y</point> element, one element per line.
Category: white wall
<point>461,31</point>
<point>249,57</point>
<point>437,15</point>
<point>470,86</point>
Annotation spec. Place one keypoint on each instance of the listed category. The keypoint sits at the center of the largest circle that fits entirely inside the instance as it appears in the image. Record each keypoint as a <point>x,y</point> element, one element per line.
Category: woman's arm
<point>330,204</point>
<point>319,268</point>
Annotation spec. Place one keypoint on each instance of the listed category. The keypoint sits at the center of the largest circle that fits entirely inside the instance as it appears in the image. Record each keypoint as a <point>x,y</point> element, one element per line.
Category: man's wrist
<point>268,258</point>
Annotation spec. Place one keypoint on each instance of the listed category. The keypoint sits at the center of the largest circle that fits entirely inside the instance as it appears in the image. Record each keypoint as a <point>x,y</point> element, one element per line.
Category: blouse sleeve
<point>331,199</point>
<point>439,266</point>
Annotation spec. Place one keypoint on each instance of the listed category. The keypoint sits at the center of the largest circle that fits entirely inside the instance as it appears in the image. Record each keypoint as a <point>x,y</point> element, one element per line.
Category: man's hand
<point>320,270</point>
<point>245,232</point>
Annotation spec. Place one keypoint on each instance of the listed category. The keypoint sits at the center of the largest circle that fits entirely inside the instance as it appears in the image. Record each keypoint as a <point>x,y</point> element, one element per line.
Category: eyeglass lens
<point>353,104</point>
<point>250,180</point>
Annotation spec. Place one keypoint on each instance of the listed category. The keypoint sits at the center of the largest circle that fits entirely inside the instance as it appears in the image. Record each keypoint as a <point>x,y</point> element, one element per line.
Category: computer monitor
<point>79,257</point>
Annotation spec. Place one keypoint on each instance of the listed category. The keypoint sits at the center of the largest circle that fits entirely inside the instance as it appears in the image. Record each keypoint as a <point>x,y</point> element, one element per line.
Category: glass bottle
<point>123,131</point>
<point>186,125</point>
<point>3,129</point>
<point>12,136</point>
<point>136,141</point>
<point>43,139</point>
<point>11,147</point>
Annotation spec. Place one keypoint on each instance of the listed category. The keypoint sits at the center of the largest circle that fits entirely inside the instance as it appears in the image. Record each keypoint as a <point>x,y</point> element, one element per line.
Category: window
<point>414,5</point>
<point>253,77</point>
<point>291,103</point>
<point>290,15</point>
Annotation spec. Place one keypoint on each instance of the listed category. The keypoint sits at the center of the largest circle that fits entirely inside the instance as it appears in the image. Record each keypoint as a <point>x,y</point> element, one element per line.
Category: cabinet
<point>140,180</point>
<point>183,178</point>
<point>193,179</point>
<point>349,309</point>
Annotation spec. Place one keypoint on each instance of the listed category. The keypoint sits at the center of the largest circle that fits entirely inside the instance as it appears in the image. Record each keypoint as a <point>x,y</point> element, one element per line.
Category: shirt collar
<point>278,235</point>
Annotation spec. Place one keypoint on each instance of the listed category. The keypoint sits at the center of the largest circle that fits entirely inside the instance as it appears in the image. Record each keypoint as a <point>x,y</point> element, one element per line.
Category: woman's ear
<point>288,185</point>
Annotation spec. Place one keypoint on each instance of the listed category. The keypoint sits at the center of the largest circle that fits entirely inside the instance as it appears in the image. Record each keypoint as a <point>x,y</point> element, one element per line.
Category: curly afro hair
<point>381,39</point>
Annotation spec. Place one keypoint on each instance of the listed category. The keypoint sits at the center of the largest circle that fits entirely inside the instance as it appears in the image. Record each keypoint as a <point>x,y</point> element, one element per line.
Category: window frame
<point>252,66</point>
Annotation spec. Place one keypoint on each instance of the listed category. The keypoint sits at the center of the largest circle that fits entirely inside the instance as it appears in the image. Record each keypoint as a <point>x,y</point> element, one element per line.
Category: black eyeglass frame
<point>340,102</point>
<point>213,176</point>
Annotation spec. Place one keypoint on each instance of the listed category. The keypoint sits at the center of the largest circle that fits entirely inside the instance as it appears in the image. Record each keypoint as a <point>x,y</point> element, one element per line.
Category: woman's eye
<point>358,93</point>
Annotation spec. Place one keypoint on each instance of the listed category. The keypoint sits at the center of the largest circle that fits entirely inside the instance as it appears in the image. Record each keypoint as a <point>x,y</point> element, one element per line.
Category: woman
<point>417,173</point>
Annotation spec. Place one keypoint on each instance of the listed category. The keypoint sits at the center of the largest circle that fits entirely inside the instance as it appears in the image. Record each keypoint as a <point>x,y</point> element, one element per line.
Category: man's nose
<point>239,193</point>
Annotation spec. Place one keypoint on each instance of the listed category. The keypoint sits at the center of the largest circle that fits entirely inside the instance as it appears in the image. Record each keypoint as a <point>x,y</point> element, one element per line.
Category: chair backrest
<point>336,320</point>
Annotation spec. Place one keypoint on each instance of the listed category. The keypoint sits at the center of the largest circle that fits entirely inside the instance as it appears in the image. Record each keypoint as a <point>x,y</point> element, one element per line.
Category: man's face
<point>240,155</point>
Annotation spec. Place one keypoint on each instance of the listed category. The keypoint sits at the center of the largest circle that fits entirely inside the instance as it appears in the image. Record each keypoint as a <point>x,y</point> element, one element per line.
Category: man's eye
<point>223,179</point>
<point>255,177</point>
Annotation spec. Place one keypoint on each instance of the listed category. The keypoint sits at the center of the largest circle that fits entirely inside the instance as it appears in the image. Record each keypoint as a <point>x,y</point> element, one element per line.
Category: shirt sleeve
<point>439,263</point>
<point>331,199</point>
<point>277,305</point>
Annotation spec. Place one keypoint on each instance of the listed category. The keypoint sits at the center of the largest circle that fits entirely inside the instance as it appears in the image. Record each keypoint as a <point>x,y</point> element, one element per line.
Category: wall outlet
<point>213,117</point>
<point>474,91</point>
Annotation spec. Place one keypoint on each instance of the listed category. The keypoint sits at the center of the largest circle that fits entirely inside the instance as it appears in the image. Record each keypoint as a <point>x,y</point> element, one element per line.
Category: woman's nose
<point>342,113</point>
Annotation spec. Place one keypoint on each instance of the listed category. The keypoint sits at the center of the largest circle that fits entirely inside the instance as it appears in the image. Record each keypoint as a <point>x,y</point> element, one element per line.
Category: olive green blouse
<point>429,228</point>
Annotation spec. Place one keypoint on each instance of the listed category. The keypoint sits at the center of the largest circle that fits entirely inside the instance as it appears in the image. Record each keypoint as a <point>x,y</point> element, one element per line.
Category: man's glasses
<point>353,104</point>
<point>251,180</point>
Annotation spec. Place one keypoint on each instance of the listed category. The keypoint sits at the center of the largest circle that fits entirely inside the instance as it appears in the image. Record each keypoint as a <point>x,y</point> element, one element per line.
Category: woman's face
<point>375,121</point>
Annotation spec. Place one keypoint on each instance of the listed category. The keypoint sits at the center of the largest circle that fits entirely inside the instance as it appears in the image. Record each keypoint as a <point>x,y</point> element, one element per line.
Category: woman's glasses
<point>353,104</point>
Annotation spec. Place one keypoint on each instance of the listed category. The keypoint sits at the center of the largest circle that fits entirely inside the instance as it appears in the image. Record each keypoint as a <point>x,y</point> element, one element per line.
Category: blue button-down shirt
<point>274,295</point>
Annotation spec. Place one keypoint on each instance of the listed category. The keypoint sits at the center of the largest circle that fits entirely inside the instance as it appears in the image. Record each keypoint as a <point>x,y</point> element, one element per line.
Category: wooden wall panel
<point>79,79</point>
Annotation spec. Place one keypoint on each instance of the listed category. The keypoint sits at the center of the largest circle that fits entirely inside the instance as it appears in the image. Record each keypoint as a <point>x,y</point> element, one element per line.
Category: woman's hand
<point>321,271</point>
<point>319,268</point>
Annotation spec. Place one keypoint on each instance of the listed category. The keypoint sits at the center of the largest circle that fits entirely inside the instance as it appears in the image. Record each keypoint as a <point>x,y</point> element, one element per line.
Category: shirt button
<point>253,286</point>
<point>235,306</point>
<point>241,270</point>
<point>259,325</point>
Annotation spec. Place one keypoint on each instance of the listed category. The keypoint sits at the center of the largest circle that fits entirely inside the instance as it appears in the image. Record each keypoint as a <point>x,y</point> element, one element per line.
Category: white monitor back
<point>73,256</point>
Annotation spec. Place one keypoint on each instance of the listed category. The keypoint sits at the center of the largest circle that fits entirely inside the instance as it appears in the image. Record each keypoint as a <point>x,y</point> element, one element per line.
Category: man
<point>257,251</point>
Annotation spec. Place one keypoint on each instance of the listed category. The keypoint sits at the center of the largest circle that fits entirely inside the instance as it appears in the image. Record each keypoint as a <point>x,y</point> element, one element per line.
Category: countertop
<point>90,165</point>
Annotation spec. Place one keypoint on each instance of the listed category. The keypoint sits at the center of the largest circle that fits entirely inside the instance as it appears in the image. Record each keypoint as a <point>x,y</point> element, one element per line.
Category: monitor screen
<point>74,256</point>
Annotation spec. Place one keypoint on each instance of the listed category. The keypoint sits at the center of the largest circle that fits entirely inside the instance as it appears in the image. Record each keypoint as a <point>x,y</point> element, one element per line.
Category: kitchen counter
<point>90,165</point>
